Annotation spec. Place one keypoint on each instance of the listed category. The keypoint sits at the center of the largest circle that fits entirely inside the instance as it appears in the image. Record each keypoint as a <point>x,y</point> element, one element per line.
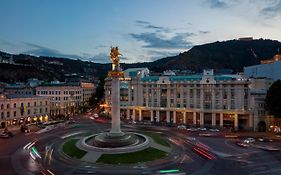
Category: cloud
<point>148,25</point>
<point>153,40</point>
<point>273,10</point>
<point>217,3</point>
<point>203,32</point>
<point>45,51</point>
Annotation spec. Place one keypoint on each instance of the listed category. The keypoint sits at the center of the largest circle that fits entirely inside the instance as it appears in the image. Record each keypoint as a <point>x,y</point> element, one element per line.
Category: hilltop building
<point>267,69</point>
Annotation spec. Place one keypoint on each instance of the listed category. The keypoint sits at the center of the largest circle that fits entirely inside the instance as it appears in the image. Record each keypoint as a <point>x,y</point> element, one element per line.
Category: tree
<point>273,99</point>
<point>99,94</point>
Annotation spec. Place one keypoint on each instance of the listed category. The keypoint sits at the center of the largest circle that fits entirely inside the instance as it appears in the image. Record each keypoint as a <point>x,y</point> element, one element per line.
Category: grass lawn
<point>70,149</point>
<point>148,154</point>
<point>158,139</point>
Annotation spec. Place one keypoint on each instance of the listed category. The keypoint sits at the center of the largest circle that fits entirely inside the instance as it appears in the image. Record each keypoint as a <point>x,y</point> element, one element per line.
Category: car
<point>181,127</point>
<point>205,134</point>
<point>214,130</point>
<point>192,129</point>
<point>25,128</point>
<point>132,122</point>
<point>96,115</point>
<point>264,139</point>
<point>146,123</point>
<point>202,129</point>
<point>249,140</point>
<point>242,144</point>
<point>4,135</point>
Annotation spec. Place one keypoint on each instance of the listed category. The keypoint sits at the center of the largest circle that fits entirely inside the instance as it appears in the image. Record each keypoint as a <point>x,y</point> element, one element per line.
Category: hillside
<point>232,54</point>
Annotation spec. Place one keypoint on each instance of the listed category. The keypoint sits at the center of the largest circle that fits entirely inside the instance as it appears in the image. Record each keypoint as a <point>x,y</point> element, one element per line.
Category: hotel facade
<point>196,100</point>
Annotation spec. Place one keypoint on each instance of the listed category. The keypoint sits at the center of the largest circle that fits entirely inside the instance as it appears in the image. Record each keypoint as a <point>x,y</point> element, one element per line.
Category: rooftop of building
<point>58,84</point>
<point>14,96</point>
<point>196,77</point>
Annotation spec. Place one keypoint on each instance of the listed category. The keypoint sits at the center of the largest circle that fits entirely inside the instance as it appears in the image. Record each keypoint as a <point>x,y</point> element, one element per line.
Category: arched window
<point>8,106</point>
<point>15,105</point>
<point>2,106</point>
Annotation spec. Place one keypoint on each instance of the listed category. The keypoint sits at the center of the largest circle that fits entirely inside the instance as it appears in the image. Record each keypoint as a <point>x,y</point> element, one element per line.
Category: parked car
<point>25,128</point>
<point>181,127</point>
<point>192,129</point>
<point>202,129</point>
<point>147,123</point>
<point>214,130</point>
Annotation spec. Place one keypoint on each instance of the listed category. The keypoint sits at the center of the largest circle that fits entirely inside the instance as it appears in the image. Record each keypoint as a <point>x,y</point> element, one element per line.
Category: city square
<point>140,89</point>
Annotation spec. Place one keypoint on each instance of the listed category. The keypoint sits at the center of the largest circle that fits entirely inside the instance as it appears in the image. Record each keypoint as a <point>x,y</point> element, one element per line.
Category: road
<point>229,158</point>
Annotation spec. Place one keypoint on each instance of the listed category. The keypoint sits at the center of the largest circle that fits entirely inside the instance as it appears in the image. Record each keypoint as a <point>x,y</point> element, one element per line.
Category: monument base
<point>114,140</point>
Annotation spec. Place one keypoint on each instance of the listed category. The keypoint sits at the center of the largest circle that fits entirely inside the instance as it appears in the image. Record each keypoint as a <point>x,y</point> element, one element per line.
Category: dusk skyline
<point>144,30</point>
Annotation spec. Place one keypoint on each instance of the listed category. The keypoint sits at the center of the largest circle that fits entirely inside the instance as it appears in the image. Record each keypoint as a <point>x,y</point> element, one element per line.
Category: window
<point>46,109</point>
<point>28,104</point>
<point>21,105</point>
<point>2,106</point>
<point>46,102</point>
<point>2,115</point>
<point>28,112</point>
<point>40,103</point>
<point>8,106</point>
<point>35,103</point>
<point>15,105</point>
<point>15,113</point>
<point>8,114</point>
<point>40,110</point>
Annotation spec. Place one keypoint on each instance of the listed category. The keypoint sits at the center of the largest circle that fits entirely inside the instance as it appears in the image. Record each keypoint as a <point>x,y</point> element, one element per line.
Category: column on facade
<point>129,95</point>
<point>194,118</point>
<point>174,116</point>
<point>213,119</point>
<point>228,98</point>
<point>201,118</point>
<point>194,98</point>
<point>168,97</point>
<point>188,97</point>
<point>221,119</point>
<point>157,116</point>
<point>128,114</point>
<point>158,96</point>
<point>251,120</point>
<point>181,96</point>
<point>147,96</point>
<point>134,115</point>
<point>151,116</point>
<point>184,117</point>
<point>168,117</point>
<point>236,121</point>
<point>213,98</point>
<point>201,98</point>
<point>140,115</point>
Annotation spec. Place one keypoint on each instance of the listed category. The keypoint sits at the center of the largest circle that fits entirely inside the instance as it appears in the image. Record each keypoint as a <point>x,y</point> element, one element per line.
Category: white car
<point>192,129</point>
<point>181,127</point>
<point>96,115</point>
<point>249,140</point>
<point>214,130</point>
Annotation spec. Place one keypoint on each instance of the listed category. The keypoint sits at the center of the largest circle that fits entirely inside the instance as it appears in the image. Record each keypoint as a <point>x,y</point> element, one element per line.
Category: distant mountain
<point>232,54</point>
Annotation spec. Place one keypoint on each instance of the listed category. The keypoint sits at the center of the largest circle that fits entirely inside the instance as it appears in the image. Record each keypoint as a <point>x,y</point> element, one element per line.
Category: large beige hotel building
<point>196,100</point>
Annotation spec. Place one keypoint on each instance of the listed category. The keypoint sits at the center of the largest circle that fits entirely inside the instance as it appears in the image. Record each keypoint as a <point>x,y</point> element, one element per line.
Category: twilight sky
<point>144,30</point>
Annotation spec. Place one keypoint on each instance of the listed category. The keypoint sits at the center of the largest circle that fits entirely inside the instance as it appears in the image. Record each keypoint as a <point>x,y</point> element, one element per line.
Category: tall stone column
<point>115,109</point>
<point>194,118</point>
<point>221,120</point>
<point>168,116</point>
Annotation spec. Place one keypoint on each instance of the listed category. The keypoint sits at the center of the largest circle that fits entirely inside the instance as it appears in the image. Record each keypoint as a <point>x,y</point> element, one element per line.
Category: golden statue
<point>114,55</point>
